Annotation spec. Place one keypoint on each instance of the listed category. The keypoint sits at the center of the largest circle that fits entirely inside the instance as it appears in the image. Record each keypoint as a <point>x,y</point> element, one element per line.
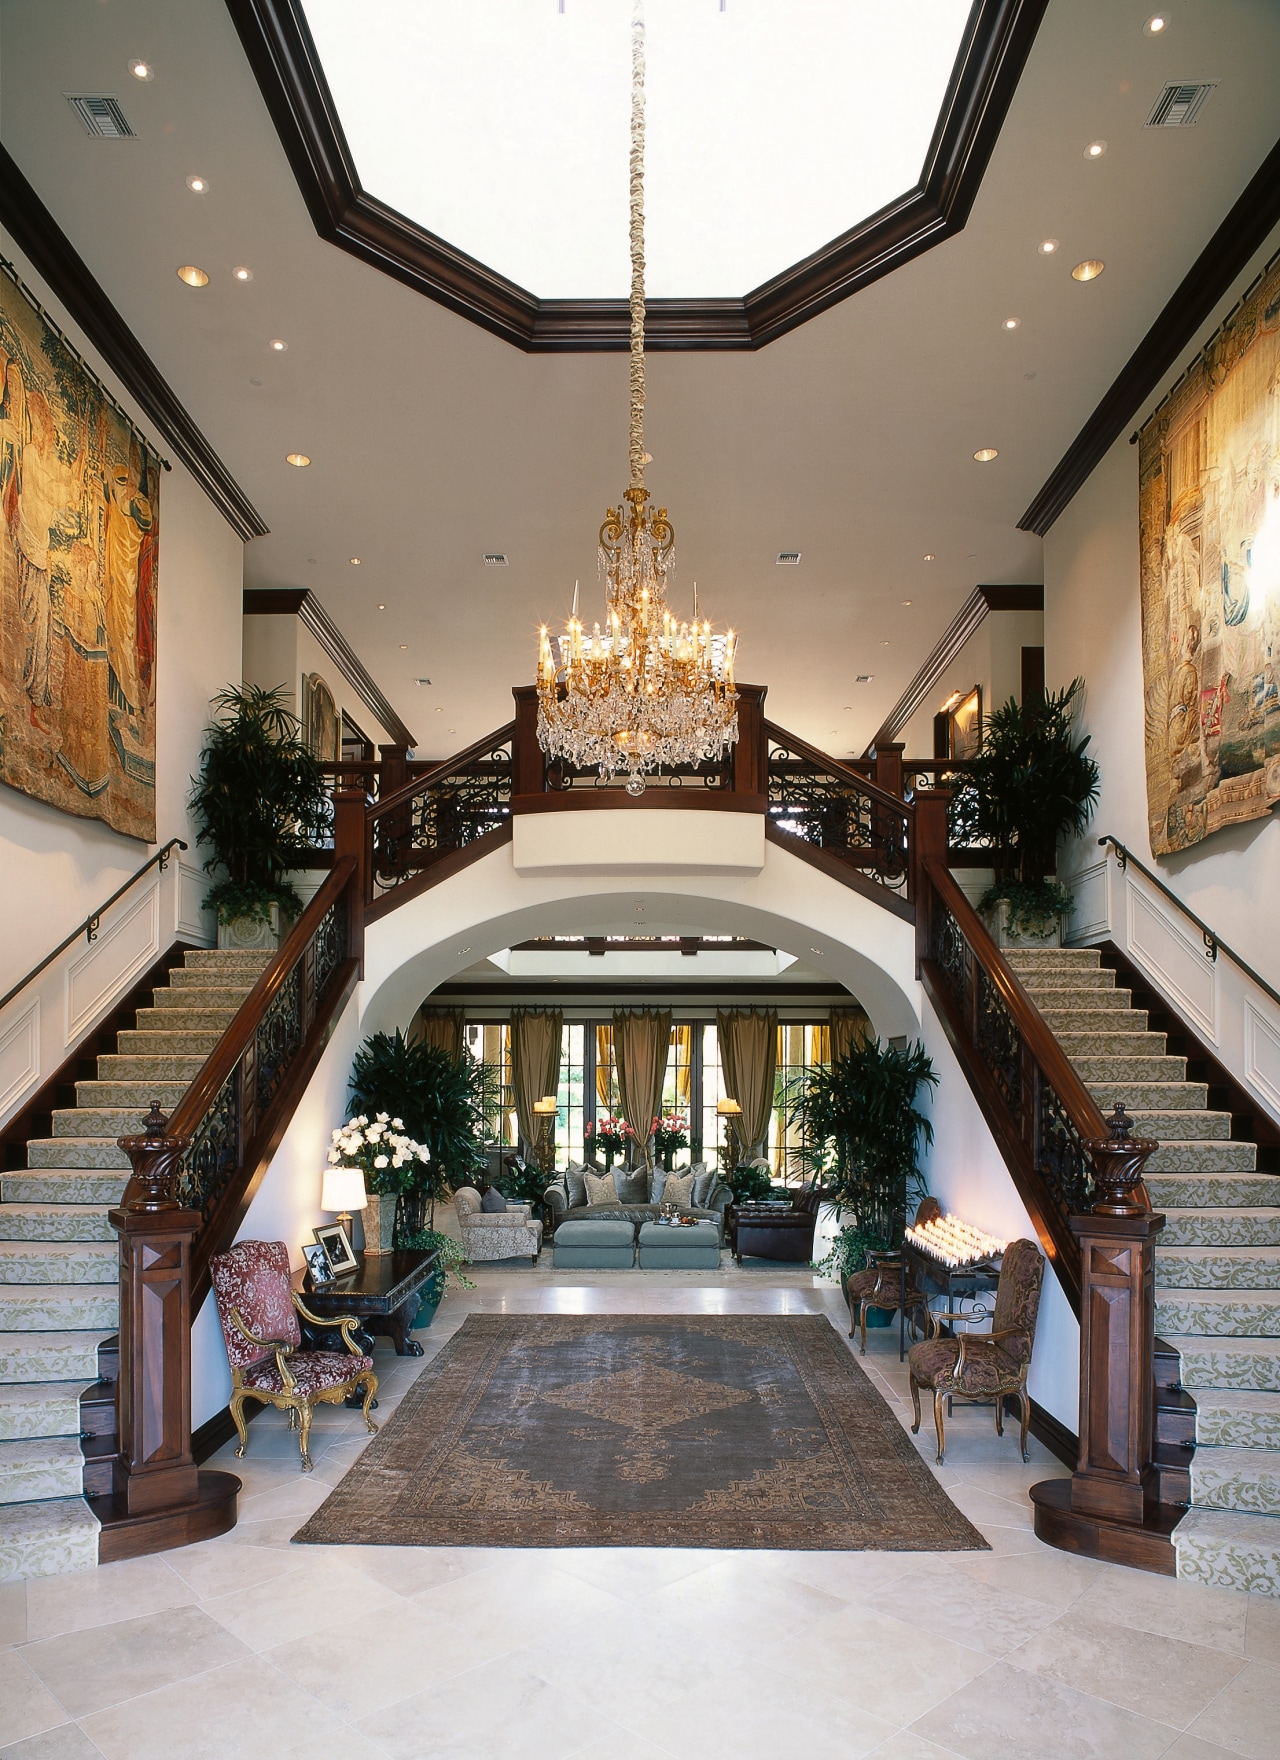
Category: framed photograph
<point>336,1242</point>
<point>318,1267</point>
<point>966,725</point>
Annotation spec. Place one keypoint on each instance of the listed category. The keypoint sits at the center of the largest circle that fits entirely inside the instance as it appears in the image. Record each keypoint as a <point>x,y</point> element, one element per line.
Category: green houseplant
<point>1031,784</point>
<point>861,1133</point>
<point>262,803</point>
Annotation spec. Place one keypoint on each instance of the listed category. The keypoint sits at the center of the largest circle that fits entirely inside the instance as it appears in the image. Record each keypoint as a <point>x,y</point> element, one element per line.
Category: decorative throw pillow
<point>601,1188</point>
<point>702,1184</point>
<point>657,1179</point>
<point>575,1182</point>
<point>493,1201</point>
<point>633,1187</point>
<point>678,1190</point>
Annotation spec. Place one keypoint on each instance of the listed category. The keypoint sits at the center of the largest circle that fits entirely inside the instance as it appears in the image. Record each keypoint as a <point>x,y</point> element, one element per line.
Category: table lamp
<point>545,1111</point>
<point>729,1110</point>
<point>343,1190</point>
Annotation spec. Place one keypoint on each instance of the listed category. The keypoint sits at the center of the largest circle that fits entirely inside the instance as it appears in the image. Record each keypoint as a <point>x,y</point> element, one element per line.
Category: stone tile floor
<point>246,1647</point>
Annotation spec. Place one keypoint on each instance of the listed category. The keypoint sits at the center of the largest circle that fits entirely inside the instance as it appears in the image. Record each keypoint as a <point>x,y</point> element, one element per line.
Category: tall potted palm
<point>262,803</point>
<point>1031,784</point>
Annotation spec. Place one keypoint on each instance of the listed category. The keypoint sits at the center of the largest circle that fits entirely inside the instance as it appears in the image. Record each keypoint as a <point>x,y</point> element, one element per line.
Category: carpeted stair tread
<point>140,1091</point>
<point>1241,1364</point>
<point>89,1153</point>
<point>1229,1550</point>
<point>63,1186</point>
<point>1222,1313</point>
<point>226,959</point>
<point>184,1020</point>
<point>176,1067</point>
<point>1244,1418</point>
<point>1186,1155</point>
<point>1122,1023</point>
<point>55,1222</point>
<point>1127,1072</point>
<point>63,1307</point>
<point>208,978</point>
<point>164,1002</point>
<point>46,1539</point>
<point>1199,1126</point>
<point>34,1469</point>
<point>24,1263</point>
<point>1080,1045</point>
<point>1074,1001</point>
<point>1154,1097</point>
<point>1202,1267</point>
<point>39,1408</point>
<point>1212,1191</point>
<point>102,1121</point>
<point>142,1042</point>
<point>28,1357</point>
<point>1030,958</point>
<point>1250,1227</point>
<point>1246,1479</point>
<point>1082,978</point>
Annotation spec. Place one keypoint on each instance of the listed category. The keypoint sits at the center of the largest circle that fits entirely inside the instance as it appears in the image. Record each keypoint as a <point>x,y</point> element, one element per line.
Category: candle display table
<point>955,1282</point>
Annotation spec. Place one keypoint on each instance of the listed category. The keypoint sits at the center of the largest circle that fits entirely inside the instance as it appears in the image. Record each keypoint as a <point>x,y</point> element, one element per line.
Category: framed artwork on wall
<point>321,728</point>
<point>964,724</point>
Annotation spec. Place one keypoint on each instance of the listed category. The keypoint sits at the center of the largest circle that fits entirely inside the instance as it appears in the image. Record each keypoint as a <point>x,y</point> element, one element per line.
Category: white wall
<point>1092,629</point>
<point>57,868</point>
<point>281,650</point>
<point>992,658</point>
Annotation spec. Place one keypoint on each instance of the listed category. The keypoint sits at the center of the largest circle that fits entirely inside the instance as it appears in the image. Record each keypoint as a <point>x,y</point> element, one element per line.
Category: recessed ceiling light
<point>848,708</point>
<point>929,556</point>
<point>404,647</point>
<point>1011,323</point>
<point>1095,149</point>
<point>906,601</point>
<point>1028,375</point>
<point>884,644</point>
<point>1089,270</point>
<point>383,608</point>
<point>439,710</point>
<point>198,184</point>
<point>255,381</point>
<point>355,562</point>
<point>1155,24</point>
<point>142,70</point>
<point>240,273</point>
<point>816,950</point>
<point>985,454</point>
<point>278,345</point>
<point>300,459</point>
<point>192,276</point>
<point>1047,246</point>
<point>451,730</point>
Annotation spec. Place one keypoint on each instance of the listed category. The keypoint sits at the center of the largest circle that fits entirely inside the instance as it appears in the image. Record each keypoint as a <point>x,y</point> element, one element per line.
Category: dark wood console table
<point>383,1293</point>
<point>956,1283</point>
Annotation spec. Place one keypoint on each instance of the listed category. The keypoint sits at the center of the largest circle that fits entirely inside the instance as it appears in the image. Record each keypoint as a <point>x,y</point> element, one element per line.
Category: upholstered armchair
<point>881,1284</point>
<point>496,1234</point>
<point>985,1365</point>
<point>259,1314</point>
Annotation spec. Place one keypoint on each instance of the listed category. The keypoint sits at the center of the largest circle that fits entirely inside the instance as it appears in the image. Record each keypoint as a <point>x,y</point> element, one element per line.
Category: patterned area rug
<point>591,1430</point>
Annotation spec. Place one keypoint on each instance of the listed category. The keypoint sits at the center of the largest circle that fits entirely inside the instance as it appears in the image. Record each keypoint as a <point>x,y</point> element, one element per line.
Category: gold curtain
<point>682,1036</point>
<point>748,1040</point>
<point>604,1054</point>
<point>820,1045</point>
<point>641,1041</point>
<point>850,1031</point>
<point>438,1026</point>
<point>535,1063</point>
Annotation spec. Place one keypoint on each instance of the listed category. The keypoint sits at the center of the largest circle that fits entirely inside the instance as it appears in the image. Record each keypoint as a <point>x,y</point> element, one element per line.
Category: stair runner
<point>59,1276</point>
<point>1217,1263</point>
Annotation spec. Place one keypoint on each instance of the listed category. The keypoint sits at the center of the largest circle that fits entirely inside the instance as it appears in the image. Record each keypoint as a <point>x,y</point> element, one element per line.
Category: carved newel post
<point>154,1470</point>
<point>1117,1330</point>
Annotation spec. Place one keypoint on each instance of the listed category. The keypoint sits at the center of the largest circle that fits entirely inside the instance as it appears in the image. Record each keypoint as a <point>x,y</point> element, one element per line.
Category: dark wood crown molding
<point>301,602</point>
<point>1243,232</point>
<point>284,61</point>
<point>39,237</point>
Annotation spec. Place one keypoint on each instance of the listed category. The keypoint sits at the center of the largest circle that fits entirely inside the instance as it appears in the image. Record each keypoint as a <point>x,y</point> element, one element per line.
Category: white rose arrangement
<point>381,1149</point>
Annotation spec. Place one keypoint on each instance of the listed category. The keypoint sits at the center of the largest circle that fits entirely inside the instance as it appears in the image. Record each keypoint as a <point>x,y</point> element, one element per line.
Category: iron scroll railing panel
<point>830,806</point>
<point>440,813</point>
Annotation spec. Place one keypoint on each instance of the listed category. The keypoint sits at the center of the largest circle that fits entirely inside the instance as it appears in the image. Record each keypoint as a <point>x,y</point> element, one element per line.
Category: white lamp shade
<point>547,1104</point>
<point>343,1189</point>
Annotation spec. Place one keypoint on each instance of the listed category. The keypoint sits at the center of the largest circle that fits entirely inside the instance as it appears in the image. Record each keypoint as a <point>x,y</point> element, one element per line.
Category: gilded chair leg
<point>242,1429</point>
<point>1025,1405</point>
<point>915,1402</point>
<point>938,1397</point>
<point>370,1388</point>
<point>304,1436</point>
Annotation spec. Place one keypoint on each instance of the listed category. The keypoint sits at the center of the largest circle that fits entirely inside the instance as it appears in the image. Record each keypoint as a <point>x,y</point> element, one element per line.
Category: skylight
<point>774,126</point>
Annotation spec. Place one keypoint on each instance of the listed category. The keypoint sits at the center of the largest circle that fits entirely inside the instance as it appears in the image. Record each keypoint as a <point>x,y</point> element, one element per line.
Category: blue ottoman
<point>679,1249</point>
<point>594,1246</point>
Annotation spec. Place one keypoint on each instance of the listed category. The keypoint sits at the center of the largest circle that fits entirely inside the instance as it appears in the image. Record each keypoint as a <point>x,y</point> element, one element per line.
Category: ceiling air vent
<point>1179,106</point>
<point>864,677</point>
<point>495,559</point>
<point>101,116</point>
<point>788,558</point>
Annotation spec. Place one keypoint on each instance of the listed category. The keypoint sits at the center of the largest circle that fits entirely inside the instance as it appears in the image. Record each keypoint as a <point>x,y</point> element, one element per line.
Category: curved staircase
<point>1217,1263</point>
<point>59,1273</point>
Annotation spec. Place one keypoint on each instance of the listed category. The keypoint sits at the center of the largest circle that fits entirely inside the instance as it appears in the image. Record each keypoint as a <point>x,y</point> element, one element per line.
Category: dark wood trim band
<point>840,870</point>
<point>285,63</point>
<point>39,237</point>
<point>436,871</point>
<point>566,800</point>
<point>302,603</point>
<point>1226,255</point>
<point>1145,1547</point>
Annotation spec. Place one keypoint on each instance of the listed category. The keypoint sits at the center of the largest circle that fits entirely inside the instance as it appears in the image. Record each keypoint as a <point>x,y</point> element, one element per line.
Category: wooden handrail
<point>825,761</point>
<point>439,772</point>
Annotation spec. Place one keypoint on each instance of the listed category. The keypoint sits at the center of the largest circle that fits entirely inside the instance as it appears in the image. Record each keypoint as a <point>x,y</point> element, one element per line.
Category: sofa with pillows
<point>582,1194</point>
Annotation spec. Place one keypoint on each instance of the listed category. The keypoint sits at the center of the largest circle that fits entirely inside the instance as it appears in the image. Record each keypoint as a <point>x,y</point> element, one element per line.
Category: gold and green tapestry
<point>1209,499</point>
<point>79,489</point>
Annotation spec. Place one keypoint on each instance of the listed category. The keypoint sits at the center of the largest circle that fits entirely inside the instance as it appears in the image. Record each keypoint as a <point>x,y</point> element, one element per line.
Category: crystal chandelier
<point>647,691</point>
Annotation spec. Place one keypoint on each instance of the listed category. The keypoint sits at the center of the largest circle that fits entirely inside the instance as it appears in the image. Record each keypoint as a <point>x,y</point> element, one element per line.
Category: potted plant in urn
<point>1031,784</point>
<point>262,803</point>
<point>389,1160</point>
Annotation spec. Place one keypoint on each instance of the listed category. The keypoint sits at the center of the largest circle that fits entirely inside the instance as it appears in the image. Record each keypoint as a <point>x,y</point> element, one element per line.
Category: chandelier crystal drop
<point>647,691</point>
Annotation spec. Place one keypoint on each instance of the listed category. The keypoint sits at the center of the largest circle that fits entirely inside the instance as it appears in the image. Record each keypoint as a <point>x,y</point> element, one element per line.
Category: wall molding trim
<point>302,603</point>
<point>286,65</point>
<point>42,241</point>
<point>1226,255</point>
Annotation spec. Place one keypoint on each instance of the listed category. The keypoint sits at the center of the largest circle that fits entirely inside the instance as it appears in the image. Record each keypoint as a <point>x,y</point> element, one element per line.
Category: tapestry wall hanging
<point>1209,515</point>
<point>80,491</point>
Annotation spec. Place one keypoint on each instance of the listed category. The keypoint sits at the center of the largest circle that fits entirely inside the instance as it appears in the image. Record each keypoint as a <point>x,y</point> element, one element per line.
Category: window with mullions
<point>802,1045</point>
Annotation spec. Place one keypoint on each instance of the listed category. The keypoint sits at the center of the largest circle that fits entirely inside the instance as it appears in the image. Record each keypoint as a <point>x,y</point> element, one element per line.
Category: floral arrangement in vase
<point>608,1136</point>
<point>388,1159</point>
<point>670,1132</point>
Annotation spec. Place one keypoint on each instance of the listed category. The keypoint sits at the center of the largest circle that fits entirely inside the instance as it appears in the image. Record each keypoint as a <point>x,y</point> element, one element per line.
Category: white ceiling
<point>851,439</point>
<point>771,128</point>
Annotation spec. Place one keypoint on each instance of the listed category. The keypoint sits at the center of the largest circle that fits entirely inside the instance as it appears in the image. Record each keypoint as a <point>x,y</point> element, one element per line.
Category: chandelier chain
<point>636,438</point>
